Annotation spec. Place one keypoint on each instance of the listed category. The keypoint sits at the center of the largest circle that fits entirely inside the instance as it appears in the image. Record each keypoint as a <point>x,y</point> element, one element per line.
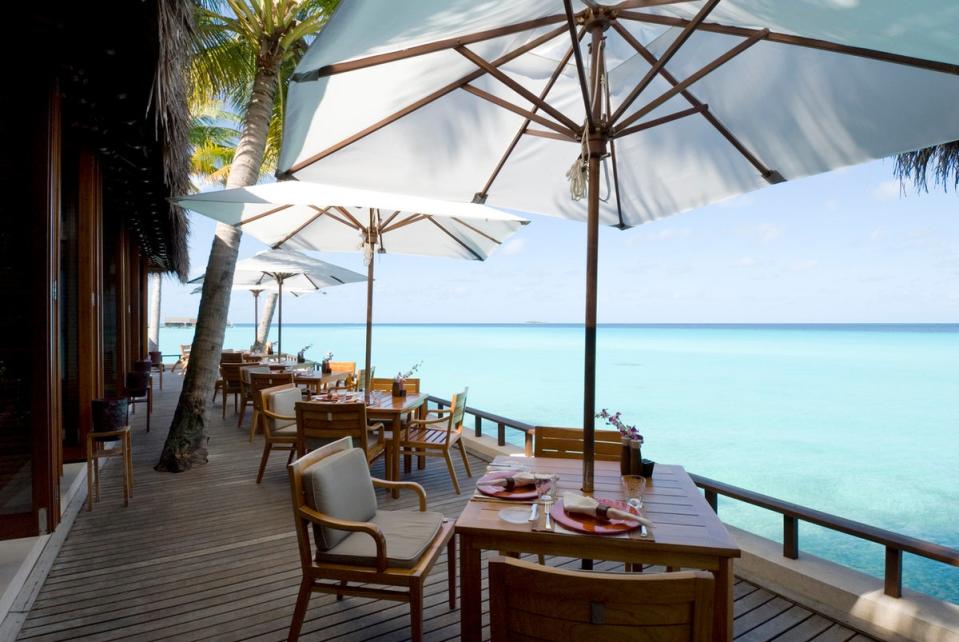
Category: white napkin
<point>518,479</point>
<point>583,505</point>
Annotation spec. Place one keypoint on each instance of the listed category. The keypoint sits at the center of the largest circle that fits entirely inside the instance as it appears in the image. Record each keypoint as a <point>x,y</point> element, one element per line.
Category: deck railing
<point>894,543</point>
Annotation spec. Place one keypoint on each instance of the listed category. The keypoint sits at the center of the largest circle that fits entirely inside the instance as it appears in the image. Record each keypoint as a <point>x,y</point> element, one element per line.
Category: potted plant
<point>300,358</point>
<point>325,364</point>
<point>398,388</point>
<point>631,460</point>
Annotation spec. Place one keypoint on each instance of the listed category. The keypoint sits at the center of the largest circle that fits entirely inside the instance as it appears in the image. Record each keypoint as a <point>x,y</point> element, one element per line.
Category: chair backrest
<point>525,598</point>
<point>297,469</point>
<point>358,381</point>
<point>250,358</point>
<point>185,349</point>
<point>156,358</point>
<point>231,375</point>
<point>261,380</point>
<point>231,357</point>
<point>137,384</point>
<point>144,365</point>
<point>567,443</point>
<point>343,366</point>
<point>246,371</point>
<point>325,421</point>
<point>385,383</point>
<point>279,400</point>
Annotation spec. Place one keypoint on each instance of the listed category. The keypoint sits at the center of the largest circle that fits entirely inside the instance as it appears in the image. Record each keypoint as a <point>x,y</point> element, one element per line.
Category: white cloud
<point>514,247</point>
<point>887,190</point>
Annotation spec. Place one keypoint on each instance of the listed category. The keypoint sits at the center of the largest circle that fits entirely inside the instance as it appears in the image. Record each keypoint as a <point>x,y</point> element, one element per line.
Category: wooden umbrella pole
<point>596,145</point>
<point>371,239</point>
<point>256,313</point>
<point>279,323</point>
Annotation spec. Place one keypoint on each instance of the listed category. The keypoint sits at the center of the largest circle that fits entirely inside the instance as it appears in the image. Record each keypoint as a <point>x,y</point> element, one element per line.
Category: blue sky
<point>839,247</point>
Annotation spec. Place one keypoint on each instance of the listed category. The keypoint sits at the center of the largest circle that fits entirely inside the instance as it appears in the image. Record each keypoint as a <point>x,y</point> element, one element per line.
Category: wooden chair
<point>360,550</point>
<point>386,383</point>
<point>526,601</point>
<point>343,366</point>
<point>184,358</point>
<point>436,434</point>
<point>567,443</point>
<point>139,389</point>
<point>316,420</point>
<point>250,358</point>
<point>101,445</point>
<point>231,384</point>
<point>231,356</point>
<point>278,408</point>
<point>156,365</point>
<point>246,397</point>
<point>358,381</point>
<point>259,381</point>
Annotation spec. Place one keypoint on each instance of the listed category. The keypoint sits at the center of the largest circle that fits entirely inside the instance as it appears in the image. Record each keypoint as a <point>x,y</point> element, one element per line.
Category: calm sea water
<point>859,421</point>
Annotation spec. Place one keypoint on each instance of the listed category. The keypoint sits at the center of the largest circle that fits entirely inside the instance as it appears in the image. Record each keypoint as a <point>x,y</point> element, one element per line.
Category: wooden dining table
<point>686,533</point>
<point>392,411</point>
<point>315,380</point>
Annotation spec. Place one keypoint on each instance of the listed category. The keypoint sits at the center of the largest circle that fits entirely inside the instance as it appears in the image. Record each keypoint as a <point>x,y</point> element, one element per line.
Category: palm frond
<point>941,160</point>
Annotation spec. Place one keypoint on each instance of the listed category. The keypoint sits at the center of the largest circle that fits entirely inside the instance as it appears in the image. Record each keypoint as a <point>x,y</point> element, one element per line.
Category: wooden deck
<point>209,554</point>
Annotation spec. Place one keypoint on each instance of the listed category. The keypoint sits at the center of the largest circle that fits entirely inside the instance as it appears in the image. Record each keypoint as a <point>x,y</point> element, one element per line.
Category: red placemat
<point>520,493</point>
<point>591,525</point>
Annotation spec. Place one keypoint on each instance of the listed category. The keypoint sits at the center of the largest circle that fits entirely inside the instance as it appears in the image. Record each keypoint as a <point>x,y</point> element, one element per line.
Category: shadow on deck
<point>209,554</point>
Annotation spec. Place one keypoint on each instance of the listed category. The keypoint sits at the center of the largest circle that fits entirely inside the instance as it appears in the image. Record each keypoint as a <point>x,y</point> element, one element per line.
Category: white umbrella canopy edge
<point>457,102</point>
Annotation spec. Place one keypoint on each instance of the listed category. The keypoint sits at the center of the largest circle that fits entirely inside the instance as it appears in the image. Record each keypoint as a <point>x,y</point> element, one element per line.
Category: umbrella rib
<point>482,63</point>
<point>263,215</point>
<point>524,129</point>
<point>352,221</point>
<point>799,41</point>
<point>505,104</point>
<point>612,149</point>
<point>477,230</point>
<point>455,238</point>
<point>420,50</point>
<point>710,117</point>
<point>389,219</point>
<point>415,218</point>
<point>300,228</point>
<point>580,68</point>
<point>671,51</point>
<point>425,100</point>
<point>695,77</point>
<point>656,122</point>
<point>541,134</point>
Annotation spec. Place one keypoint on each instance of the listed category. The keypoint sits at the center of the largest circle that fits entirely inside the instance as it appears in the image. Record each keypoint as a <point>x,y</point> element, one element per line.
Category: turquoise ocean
<point>856,420</point>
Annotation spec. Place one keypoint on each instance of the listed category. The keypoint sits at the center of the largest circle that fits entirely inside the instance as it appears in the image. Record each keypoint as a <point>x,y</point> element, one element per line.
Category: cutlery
<point>532,512</point>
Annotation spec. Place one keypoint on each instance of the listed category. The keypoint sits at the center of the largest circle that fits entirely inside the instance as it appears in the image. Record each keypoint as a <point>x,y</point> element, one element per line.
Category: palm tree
<point>942,159</point>
<point>241,50</point>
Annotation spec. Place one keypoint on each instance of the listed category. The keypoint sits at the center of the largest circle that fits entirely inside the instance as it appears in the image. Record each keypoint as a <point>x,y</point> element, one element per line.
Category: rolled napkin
<point>517,480</point>
<point>582,505</point>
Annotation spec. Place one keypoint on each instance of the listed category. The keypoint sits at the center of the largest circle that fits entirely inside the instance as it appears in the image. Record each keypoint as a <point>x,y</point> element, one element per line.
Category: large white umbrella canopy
<point>314,216</point>
<point>274,270</point>
<point>652,106</point>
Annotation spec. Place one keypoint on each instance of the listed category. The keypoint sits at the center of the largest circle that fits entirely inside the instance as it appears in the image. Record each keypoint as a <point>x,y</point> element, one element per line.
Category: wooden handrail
<point>895,543</point>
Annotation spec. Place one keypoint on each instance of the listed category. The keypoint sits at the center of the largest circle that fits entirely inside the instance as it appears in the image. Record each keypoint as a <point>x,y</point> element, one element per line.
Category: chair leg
<point>449,466</point>
<point>407,462</point>
<point>223,395</point>
<point>89,474</point>
<point>299,613</point>
<point>451,570</point>
<point>416,611</point>
<point>289,460</point>
<point>128,462</point>
<point>239,421</point>
<point>149,406</point>
<point>253,423</point>
<point>161,379</point>
<point>339,596</point>
<point>466,459</point>
<point>267,447</point>
<point>96,473</point>
<point>421,460</point>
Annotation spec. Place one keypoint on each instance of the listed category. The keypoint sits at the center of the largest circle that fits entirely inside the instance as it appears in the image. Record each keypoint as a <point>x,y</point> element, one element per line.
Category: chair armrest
<point>369,528</point>
<point>273,415</point>
<point>427,422</point>
<point>377,426</point>
<point>419,490</point>
<point>438,411</point>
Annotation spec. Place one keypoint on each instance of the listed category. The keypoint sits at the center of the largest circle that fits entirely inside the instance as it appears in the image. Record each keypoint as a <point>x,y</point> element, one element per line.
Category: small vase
<point>648,465</point>
<point>326,367</point>
<point>624,468</point>
<point>398,389</point>
<point>300,358</point>
<point>635,457</point>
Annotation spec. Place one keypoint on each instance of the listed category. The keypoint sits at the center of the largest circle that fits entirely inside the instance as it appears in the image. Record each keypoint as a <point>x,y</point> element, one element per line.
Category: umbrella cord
<point>578,173</point>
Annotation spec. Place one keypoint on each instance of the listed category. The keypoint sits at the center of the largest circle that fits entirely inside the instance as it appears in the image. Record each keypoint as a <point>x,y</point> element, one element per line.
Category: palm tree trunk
<point>153,336</point>
<point>265,320</point>
<point>186,441</point>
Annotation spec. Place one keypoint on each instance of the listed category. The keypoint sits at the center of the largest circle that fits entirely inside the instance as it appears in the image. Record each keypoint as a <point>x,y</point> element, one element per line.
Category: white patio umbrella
<point>660,106</point>
<point>313,216</point>
<point>257,282</point>
<point>287,267</point>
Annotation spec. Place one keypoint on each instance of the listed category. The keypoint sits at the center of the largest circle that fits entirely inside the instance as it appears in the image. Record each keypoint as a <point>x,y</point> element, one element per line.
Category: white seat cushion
<point>408,536</point>
<point>339,486</point>
<point>283,403</point>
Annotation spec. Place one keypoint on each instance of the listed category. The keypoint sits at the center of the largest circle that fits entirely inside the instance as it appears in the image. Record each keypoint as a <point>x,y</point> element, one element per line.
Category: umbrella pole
<point>256,313</point>
<point>369,326</point>
<point>596,145</point>
<point>279,323</point>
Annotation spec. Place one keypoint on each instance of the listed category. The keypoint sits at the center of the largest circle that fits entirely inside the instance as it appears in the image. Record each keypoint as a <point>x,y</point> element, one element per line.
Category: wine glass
<point>633,488</point>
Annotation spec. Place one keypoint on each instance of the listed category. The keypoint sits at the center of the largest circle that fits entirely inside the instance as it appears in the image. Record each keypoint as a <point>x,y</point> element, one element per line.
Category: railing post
<point>893,571</point>
<point>528,443</point>
<point>713,500</point>
<point>479,426</point>
<point>790,537</point>
<point>501,434</point>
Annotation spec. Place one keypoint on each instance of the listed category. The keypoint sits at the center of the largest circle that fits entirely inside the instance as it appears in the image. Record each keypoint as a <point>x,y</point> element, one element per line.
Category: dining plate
<point>592,525</point>
<point>523,493</point>
<point>514,515</point>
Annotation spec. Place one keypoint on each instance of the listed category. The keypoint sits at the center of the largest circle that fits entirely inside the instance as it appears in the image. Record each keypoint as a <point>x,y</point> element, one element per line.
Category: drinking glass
<point>633,488</point>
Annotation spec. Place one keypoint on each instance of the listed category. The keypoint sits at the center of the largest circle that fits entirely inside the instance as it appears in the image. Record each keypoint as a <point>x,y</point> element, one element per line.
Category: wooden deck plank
<point>210,555</point>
